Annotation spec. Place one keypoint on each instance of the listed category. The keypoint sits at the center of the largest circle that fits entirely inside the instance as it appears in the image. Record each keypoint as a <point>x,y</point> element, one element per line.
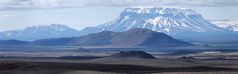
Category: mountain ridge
<point>40,32</point>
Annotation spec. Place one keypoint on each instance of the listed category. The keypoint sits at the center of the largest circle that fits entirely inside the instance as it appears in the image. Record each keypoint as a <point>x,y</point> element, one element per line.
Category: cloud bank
<point>20,4</point>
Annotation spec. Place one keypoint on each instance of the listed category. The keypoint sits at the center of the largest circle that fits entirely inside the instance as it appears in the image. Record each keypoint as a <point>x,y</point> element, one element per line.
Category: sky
<point>78,14</point>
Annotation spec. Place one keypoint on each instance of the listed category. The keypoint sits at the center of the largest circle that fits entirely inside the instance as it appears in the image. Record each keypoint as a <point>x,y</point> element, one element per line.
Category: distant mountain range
<point>133,37</point>
<point>180,23</point>
<point>40,32</point>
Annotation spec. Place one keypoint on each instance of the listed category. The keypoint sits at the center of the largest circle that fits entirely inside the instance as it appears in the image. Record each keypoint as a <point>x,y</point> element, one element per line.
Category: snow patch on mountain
<point>40,32</point>
<point>226,24</point>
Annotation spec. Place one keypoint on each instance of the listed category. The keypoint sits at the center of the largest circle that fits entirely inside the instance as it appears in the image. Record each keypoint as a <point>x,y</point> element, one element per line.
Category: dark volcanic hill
<point>132,54</point>
<point>133,37</point>
<point>13,42</point>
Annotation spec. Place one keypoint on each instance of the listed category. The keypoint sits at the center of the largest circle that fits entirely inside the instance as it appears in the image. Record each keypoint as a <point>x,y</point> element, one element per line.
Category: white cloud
<point>10,16</point>
<point>7,4</point>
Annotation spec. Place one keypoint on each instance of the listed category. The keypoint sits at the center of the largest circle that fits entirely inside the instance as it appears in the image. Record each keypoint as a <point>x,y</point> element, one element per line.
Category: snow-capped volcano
<point>167,20</point>
<point>40,32</point>
<point>180,23</point>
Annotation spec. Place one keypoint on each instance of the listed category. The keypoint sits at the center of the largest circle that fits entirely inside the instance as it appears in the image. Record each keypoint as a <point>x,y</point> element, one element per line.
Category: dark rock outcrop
<point>132,54</point>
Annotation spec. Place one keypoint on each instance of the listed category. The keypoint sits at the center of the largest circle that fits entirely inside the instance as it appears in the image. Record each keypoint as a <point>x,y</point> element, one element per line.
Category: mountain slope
<point>177,22</point>
<point>52,42</point>
<point>40,32</point>
<point>133,37</point>
<point>226,24</point>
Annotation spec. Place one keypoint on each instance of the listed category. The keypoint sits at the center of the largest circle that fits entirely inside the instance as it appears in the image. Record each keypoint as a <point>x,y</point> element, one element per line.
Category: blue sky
<point>15,14</point>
